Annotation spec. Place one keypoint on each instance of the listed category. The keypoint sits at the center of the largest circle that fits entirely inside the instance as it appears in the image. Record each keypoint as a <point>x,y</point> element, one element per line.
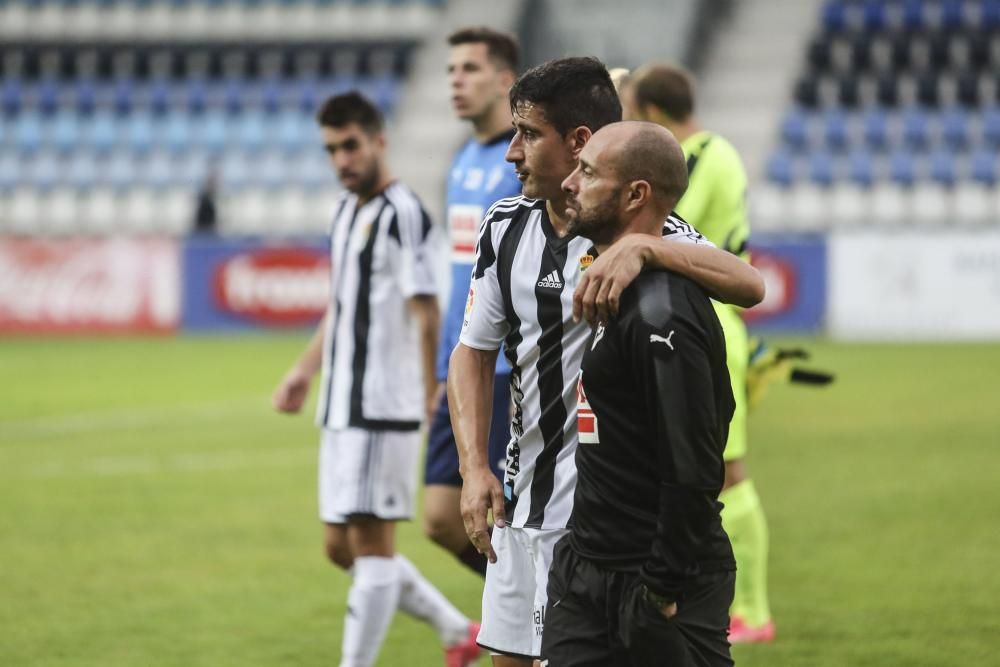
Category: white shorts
<point>370,473</point>
<point>515,592</point>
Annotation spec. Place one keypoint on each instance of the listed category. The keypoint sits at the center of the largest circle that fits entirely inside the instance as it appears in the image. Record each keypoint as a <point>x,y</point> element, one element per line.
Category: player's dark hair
<point>502,48</point>
<point>353,107</point>
<point>667,87</point>
<point>570,92</point>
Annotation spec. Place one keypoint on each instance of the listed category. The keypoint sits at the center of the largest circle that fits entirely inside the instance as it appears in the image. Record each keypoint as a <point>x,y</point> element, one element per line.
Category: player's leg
<point>374,593</point>
<point>508,625</point>
<point>743,515</point>
<point>576,619</point>
<point>443,484</point>
<point>443,492</point>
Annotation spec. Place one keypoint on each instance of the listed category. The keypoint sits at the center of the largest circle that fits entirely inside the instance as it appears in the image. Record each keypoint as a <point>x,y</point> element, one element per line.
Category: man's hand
<point>481,493</point>
<point>669,611</point>
<point>597,295</point>
<point>292,392</point>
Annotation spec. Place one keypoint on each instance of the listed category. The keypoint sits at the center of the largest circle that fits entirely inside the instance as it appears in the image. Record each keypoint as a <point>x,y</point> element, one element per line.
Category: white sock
<point>420,599</point>
<point>371,602</point>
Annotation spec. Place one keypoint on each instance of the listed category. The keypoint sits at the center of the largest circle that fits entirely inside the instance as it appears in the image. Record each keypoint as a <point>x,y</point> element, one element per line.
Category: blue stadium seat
<point>118,169</point>
<point>861,168</point>
<point>294,130</point>
<point>903,168</point>
<point>101,130</point>
<point>27,132</point>
<point>990,15</point>
<point>781,169</point>
<point>65,131</point>
<point>251,129</point>
<point>916,127</point>
<point>991,126</point>
<point>952,14</point>
<point>795,130</point>
<point>212,130</point>
<point>177,131</point>
<point>44,170</point>
<point>822,169</point>
<point>11,94</point>
<point>942,168</point>
<point>835,129</point>
<point>955,128</point>
<point>874,15</point>
<point>82,169</point>
<point>835,15</point>
<point>876,128</point>
<point>983,168</point>
<point>11,169</point>
<point>139,132</point>
<point>913,14</point>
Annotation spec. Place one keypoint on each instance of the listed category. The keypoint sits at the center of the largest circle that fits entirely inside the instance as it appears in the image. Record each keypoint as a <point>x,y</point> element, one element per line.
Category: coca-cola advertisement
<point>237,284</point>
<point>89,286</point>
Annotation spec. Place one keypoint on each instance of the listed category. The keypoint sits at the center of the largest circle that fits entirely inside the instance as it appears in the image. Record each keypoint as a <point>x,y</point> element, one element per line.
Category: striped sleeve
<point>676,228</point>
<point>485,323</point>
<point>410,227</point>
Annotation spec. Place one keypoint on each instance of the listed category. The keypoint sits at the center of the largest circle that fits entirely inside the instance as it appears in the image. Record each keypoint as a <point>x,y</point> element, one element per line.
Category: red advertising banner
<point>89,286</point>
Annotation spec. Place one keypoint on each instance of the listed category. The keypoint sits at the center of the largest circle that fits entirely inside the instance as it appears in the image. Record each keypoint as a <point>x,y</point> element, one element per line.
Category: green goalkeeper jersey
<point>715,201</point>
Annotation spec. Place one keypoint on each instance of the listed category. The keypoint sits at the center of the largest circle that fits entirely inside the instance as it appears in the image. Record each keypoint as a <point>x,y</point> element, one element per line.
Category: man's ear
<point>639,194</point>
<point>578,138</point>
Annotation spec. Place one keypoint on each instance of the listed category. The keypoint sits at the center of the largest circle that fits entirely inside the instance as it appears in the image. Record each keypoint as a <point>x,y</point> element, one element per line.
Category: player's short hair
<point>571,92</point>
<point>669,88</point>
<point>353,107</point>
<point>502,48</point>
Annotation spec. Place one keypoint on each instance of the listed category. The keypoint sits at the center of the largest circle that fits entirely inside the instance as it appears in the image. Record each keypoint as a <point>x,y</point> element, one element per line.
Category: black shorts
<point>441,465</point>
<point>598,618</point>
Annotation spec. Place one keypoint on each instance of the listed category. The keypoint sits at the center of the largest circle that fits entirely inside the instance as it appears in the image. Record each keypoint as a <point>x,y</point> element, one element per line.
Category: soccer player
<point>376,348</point>
<point>527,265</point>
<point>715,203</point>
<point>646,576</point>
<point>482,66</point>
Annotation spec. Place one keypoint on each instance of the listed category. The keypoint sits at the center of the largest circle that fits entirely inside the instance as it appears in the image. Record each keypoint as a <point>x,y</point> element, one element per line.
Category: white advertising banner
<point>915,285</point>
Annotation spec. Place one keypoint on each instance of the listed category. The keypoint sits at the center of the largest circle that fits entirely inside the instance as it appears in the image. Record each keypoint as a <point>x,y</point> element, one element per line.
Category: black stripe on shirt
<point>362,321</point>
<point>334,284</point>
<point>552,420</point>
<point>505,269</point>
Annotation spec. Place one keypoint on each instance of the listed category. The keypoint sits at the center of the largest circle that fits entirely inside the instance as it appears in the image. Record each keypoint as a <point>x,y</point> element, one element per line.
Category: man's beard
<point>599,224</point>
<point>367,183</point>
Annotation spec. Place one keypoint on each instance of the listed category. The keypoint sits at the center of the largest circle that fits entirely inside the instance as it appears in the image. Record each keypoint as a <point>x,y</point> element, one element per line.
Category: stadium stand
<point>119,136</point>
<point>897,107</point>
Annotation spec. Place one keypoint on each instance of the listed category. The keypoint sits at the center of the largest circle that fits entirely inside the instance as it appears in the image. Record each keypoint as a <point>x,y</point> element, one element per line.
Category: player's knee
<point>441,529</point>
<point>339,553</point>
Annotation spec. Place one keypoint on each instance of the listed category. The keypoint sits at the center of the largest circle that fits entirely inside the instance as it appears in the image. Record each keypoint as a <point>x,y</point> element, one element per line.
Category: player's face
<point>542,157</point>
<point>356,156</point>
<point>593,195</point>
<point>477,86</point>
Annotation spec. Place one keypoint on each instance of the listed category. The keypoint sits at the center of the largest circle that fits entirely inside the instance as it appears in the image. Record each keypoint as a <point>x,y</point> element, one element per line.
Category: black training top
<point>655,405</point>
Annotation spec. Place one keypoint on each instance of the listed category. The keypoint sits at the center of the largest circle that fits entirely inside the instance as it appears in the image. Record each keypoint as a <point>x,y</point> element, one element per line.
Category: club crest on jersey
<point>586,261</point>
<point>468,305</point>
<point>552,281</point>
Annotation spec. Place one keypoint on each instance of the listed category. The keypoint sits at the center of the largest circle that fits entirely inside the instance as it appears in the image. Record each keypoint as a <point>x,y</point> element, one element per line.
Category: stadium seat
<point>983,167</point>
<point>861,166</point>
<point>781,169</point>
<point>876,128</point>
<point>24,211</point>
<point>890,204</point>
<point>849,204</point>
<point>795,130</point>
<point>61,211</point>
<point>810,207</point>
<point>835,130</point>
<point>931,204</point>
<point>942,168</point>
<point>822,169</point>
<point>916,128</point>
<point>991,126</point>
<point>902,168</point>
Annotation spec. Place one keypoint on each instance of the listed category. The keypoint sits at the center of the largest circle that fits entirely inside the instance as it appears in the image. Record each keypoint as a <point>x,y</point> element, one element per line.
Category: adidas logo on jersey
<point>552,281</point>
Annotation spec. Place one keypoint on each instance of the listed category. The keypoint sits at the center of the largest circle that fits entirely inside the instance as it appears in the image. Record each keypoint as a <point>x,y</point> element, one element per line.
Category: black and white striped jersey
<point>521,295</point>
<point>380,256</point>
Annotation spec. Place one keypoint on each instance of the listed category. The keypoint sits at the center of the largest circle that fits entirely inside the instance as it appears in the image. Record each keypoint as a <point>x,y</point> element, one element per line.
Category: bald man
<point>646,574</point>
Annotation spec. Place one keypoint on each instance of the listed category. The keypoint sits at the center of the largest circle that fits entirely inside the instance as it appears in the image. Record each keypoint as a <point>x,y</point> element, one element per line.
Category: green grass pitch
<point>156,512</point>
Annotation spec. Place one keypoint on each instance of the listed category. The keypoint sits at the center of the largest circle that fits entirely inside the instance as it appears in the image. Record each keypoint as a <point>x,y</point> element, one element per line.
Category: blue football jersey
<point>479,177</point>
